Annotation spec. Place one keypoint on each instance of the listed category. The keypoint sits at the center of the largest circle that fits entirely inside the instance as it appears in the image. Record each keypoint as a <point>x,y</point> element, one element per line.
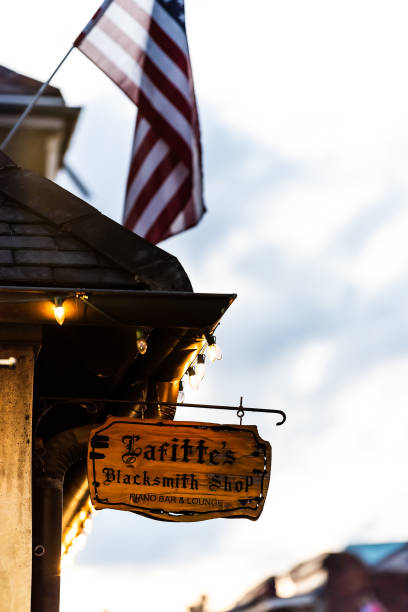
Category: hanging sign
<point>178,470</point>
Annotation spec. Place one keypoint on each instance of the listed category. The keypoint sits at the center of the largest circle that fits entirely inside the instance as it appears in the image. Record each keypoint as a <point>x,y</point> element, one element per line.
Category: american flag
<point>142,46</point>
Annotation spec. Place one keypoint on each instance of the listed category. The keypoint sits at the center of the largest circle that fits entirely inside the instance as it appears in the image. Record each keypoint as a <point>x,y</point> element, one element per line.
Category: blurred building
<point>363,578</point>
<point>43,139</point>
<point>376,573</point>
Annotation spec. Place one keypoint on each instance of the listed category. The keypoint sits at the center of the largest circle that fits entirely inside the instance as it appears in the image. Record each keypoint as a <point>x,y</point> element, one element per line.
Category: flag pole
<point>32,103</point>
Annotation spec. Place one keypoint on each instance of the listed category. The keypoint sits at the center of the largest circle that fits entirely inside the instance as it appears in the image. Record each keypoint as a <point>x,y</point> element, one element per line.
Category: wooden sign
<point>178,471</point>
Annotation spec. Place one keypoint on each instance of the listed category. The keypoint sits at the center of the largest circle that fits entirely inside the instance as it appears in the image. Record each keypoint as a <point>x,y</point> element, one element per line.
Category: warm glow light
<point>71,533</point>
<point>141,345</point>
<point>200,367</point>
<point>80,541</point>
<point>193,379</point>
<point>285,587</point>
<point>141,341</point>
<point>214,352</point>
<point>59,310</point>
<point>75,537</point>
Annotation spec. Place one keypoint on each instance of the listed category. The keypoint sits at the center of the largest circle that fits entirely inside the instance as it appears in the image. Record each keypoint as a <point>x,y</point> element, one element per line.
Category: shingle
<point>32,229</point>
<point>112,239</point>
<point>104,262</point>
<point>16,214</point>
<point>68,243</point>
<point>5,228</point>
<point>6,257</point>
<point>26,274</point>
<point>44,197</point>
<point>55,258</point>
<point>24,242</point>
<point>93,277</point>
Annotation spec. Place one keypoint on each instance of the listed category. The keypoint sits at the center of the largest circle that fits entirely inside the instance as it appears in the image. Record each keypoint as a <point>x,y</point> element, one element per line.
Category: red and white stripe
<point>144,50</point>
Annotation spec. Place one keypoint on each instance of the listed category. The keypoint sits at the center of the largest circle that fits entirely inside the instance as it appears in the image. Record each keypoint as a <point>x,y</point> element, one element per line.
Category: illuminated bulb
<point>200,367</point>
<point>72,533</point>
<point>141,342</point>
<point>285,587</point>
<point>59,310</point>
<point>180,397</point>
<point>193,379</point>
<point>213,351</point>
<point>75,546</point>
<point>80,541</point>
<point>141,345</point>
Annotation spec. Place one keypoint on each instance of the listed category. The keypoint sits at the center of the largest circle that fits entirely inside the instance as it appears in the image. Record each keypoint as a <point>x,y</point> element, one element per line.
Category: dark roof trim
<point>157,309</point>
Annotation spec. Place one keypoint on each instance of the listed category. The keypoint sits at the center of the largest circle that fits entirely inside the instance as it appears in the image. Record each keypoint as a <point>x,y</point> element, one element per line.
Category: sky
<point>303,110</point>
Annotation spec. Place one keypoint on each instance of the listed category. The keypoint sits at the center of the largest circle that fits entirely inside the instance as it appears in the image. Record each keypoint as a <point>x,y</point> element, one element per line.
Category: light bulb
<point>213,351</point>
<point>59,310</point>
<point>72,533</point>
<point>141,345</point>
<point>193,379</point>
<point>79,542</point>
<point>200,367</point>
<point>180,396</point>
<point>285,587</point>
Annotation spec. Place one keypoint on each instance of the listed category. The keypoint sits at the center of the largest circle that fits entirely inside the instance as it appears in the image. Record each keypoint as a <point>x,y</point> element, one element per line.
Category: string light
<point>75,536</point>
<point>141,342</point>
<point>193,379</point>
<point>180,396</point>
<point>59,310</point>
<point>79,542</point>
<point>200,367</point>
<point>285,587</point>
<point>88,526</point>
<point>213,351</point>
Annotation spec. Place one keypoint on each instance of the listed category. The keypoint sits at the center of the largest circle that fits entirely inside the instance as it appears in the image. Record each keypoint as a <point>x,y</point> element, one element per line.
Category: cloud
<point>384,259</point>
<point>126,539</point>
<point>310,365</point>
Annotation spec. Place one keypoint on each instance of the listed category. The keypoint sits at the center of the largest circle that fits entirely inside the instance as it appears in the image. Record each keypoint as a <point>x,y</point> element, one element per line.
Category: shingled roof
<point>49,237</point>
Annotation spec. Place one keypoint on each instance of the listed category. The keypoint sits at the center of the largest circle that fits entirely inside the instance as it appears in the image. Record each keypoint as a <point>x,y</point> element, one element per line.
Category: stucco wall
<point>15,479</point>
